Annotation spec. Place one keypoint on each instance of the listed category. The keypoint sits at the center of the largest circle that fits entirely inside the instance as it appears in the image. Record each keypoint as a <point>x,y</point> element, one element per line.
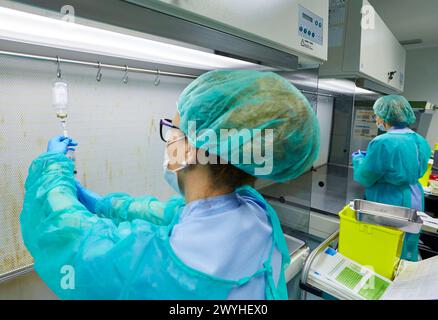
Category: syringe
<point>63,122</point>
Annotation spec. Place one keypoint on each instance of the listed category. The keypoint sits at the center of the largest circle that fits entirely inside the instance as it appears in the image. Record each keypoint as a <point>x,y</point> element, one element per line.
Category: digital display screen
<point>308,18</point>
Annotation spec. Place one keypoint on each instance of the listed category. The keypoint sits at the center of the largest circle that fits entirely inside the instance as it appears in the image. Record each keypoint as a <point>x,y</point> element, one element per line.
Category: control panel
<point>310,26</point>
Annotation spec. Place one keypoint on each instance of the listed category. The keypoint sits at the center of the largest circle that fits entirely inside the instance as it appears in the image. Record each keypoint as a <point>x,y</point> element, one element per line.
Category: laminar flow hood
<point>294,27</point>
<point>363,48</point>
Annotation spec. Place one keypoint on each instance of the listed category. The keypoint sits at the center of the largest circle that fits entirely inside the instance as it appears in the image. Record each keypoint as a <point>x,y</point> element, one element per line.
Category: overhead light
<point>30,28</point>
<point>343,86</point>
<point>362,91</point>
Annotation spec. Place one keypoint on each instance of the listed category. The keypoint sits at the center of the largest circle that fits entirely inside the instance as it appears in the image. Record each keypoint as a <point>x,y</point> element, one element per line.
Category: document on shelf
<point>415,281</point>
<point>346,279</point>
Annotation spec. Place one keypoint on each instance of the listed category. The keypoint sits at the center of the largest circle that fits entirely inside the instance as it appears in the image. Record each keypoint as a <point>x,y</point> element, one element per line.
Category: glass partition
<point>330,185</point>
<point>292,200</point>
<point>353,127</point>
<point>364,130</point>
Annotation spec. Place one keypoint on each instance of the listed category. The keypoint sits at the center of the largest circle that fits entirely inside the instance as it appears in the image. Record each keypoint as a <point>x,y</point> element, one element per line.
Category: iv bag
<point>60,96</point>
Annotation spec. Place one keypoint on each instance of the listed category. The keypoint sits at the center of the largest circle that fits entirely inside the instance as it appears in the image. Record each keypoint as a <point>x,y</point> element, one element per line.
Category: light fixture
<point>19,26</point>
<point>343,86</point>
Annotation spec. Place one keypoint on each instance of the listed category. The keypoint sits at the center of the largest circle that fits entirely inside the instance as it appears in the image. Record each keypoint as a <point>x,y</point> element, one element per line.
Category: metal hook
<point>58,69</point>
<point>99,72</point>
<point>157,78</point>
<point>125,77</point>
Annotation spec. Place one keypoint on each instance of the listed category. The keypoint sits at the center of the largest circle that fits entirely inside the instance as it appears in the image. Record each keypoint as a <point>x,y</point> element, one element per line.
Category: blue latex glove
<point>61,144</point>
<point>87,197</point>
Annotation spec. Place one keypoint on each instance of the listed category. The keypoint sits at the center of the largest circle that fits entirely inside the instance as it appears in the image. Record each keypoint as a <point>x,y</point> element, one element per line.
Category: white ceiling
<point>410,19</point>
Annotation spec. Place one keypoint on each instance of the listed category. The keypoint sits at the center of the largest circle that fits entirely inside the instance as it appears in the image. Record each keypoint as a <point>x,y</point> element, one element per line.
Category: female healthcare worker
<point>394,162</point>
<point>218,239</point>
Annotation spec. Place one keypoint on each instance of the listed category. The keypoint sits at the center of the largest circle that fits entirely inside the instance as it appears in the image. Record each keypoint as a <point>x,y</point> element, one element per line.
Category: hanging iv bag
<point>60,102</point>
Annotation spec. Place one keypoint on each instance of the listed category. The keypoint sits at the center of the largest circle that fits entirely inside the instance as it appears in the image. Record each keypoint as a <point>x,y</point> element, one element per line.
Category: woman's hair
<point>229,176</point>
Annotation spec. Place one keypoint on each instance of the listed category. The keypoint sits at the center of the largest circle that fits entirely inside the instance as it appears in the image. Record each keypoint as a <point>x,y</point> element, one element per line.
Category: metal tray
<point>405,219</point>
<point>293,244</point>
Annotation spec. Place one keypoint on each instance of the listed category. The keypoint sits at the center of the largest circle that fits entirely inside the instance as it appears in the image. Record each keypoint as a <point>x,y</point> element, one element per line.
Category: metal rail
<point>15,273</point>
<point>98,65</point>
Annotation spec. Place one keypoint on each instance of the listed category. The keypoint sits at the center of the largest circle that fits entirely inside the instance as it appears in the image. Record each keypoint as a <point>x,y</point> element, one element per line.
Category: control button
<point>305,30</point>
<point>320,25</point>
<point>310,32</point>
<point>316,23</point>
<point>313,34</point>
<point>301,29</point>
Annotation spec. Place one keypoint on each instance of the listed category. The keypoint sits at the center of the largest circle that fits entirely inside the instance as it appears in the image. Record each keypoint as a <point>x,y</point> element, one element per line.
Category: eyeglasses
<point>166,127</point>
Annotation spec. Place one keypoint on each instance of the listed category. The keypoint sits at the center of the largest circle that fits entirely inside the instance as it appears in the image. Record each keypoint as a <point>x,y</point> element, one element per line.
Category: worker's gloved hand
<point>61,144</point>
<point>87,197</point>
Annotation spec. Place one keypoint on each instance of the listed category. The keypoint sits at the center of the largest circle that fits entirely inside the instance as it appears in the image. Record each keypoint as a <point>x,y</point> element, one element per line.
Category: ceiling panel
<point>411,19</point>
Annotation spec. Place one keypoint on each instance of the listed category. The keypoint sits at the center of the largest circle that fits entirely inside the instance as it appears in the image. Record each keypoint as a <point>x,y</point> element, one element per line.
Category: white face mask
<point>381,127</point>
<point>171,176</point>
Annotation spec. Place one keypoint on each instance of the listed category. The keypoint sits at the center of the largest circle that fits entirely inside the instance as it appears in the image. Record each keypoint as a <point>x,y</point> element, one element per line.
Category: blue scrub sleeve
<point>54,224</point>
<point>424,154</point>
<point>121,207</point>
<point>60,233</point>
<point>372,167</point>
